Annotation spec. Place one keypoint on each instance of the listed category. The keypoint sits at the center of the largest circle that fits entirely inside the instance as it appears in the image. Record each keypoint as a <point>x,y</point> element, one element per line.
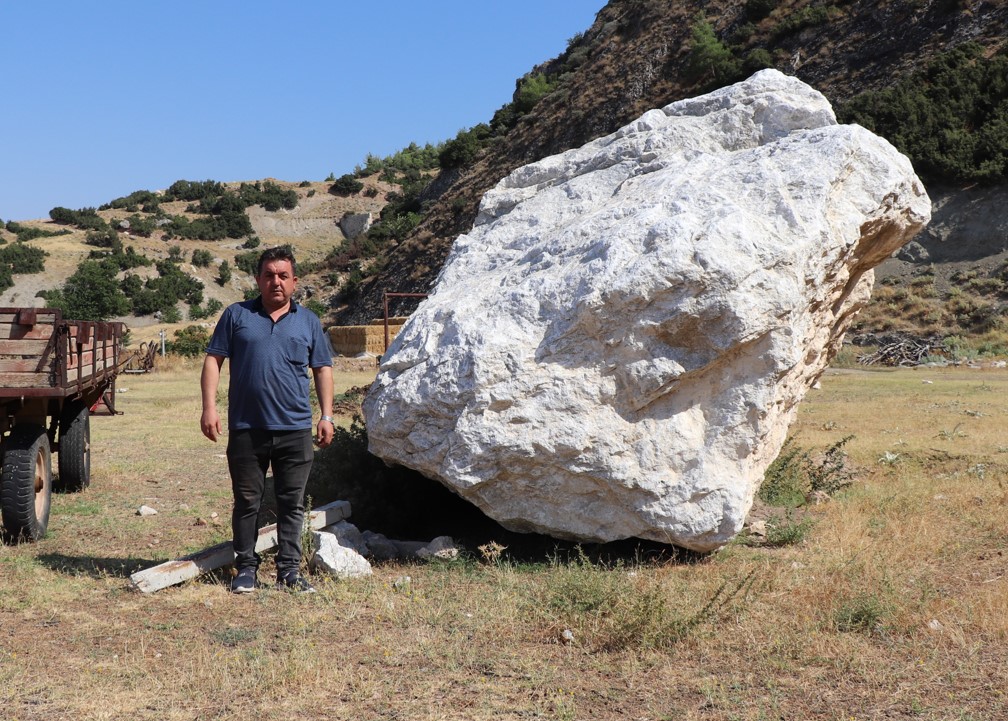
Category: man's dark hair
<point>281,252</point>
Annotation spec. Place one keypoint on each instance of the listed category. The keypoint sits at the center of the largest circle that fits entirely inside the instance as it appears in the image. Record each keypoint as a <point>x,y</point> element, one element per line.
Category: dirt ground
<point>893,606</point>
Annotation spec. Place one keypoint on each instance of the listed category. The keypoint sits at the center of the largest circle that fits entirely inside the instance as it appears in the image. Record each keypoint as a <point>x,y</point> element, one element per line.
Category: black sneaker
<point>295,582</point>
<point>244,582</point>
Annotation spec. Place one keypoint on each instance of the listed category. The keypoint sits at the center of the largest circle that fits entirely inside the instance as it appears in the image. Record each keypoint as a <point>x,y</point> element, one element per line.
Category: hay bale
<point>353,340</point>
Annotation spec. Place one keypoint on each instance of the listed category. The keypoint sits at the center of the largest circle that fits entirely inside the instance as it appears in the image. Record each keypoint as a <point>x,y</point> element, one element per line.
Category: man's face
<point>276,283</point>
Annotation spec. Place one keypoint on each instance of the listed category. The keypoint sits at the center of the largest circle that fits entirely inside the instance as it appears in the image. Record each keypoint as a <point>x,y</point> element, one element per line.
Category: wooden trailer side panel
<point>91,350</point>
<point>27,348</point>
<point>38,349</point>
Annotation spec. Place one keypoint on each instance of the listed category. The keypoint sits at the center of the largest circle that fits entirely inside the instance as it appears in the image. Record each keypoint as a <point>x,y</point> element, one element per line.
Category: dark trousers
<point>249,454</point>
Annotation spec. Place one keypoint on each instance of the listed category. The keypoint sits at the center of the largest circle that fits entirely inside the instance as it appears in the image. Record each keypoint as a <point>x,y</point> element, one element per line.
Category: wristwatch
<point>327,418</point>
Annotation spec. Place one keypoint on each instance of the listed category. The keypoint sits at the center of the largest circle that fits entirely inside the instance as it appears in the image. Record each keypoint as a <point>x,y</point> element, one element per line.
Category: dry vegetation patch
<point>894,605</point>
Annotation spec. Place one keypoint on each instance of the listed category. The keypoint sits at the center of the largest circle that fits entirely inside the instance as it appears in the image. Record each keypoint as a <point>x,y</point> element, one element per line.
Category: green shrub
<point>26,233</point>
<point>223,273</point>
<point>412,157</point>
<point>139,225</point>
<point>315,307</point>
<point>462,150</point>
<point>269,195</point>
<point>131,285</point>
<point>346,185</point>
<point>22,258</point>
<point>531,89</point>
<point>202,258</point>
<point>129,258</point>
<point>198,312</point>
<point>248,261</point>
<point>372,164</point>
<point>193,190</point>
<point>223,204</point>
<point>91,293</point>
<point>231,224</point>
<point>710,60</point>
<point>171,314</point>
<point>505,118</point>
<point>741,34</point>
<point>85,218</point>
<point>106,238</point>
<point>951,118</point>
<point>757,59</point>
<point>785,481</point>
<point>252,242</point>
<point>133,201</point>
<point>162,293</point>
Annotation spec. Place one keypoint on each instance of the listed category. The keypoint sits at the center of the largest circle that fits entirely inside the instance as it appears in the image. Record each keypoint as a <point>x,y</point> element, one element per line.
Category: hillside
<point>311,228</point>
<point>640,54</point>
<point>637,55</point>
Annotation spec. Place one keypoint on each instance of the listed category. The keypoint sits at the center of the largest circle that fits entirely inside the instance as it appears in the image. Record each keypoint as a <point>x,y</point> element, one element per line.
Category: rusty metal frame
<point>385,298</point>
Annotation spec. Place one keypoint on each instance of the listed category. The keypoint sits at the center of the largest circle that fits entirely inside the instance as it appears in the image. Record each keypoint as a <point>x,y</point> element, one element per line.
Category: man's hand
<point>210,424</point>
<point>324,433</point>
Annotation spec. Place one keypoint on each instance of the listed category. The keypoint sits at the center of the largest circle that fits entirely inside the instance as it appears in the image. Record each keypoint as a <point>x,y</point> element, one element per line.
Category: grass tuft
<point>787,530</point>
<point>863,613</point>
<point>619,608</point>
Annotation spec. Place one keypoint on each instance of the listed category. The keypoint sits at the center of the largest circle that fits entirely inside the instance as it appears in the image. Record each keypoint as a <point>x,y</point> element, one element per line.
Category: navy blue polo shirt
<point>269,364</point>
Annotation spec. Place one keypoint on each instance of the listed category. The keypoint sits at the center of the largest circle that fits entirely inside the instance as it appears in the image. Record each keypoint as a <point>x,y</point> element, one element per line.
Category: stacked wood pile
<point>899,349</point>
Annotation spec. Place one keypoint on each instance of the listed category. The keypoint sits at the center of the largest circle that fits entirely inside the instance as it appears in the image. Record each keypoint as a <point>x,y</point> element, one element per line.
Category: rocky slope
<point>636,56</point>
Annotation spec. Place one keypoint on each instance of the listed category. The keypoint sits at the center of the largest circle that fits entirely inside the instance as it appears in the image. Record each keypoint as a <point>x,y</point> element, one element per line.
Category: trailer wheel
<point>73,461</point>
<point>26,483</point>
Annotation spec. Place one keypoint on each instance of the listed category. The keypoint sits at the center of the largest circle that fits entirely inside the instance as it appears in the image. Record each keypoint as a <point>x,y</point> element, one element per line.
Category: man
<point>271,342</point>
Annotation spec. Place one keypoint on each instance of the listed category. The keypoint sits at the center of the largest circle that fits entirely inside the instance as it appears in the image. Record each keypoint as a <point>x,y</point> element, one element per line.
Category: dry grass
<point>894,606</point>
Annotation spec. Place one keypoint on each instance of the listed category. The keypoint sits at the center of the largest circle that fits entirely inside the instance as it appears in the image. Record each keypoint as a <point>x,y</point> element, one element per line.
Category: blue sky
<point>101,98</point>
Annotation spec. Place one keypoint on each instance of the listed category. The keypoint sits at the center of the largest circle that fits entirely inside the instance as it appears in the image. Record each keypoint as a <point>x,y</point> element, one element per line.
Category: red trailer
<point>52,373</point>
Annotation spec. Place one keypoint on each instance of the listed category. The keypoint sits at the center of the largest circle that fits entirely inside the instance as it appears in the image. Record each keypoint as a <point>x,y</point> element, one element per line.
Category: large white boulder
<point>618,347</point>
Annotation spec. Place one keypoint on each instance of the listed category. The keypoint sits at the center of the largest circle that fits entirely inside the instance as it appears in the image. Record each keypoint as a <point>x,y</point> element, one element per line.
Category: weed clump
<point>795,474</point>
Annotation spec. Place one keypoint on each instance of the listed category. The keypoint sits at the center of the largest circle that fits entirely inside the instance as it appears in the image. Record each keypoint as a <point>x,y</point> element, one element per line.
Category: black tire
<point>73,461</point>
<point>26,483</point>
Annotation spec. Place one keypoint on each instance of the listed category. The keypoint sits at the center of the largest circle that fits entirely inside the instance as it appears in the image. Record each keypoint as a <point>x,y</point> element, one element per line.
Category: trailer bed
<point>41,354</point>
